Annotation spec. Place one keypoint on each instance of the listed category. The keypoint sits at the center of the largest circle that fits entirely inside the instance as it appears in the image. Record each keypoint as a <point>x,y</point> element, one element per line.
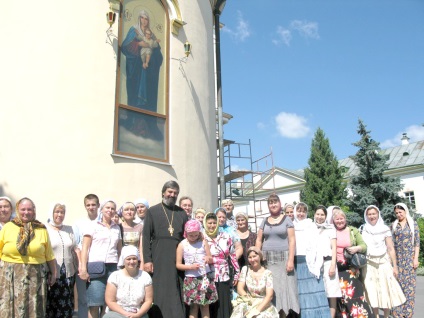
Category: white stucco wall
<point>57,109</point>
<point>414,182</point>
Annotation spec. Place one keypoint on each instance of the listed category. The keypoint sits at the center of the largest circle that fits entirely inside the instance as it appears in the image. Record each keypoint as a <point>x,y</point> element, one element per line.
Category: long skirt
<point>312,298</point>
<point>383,290</point>
<point>353,303</point>
<point>222,308</point>
<point>23,292</point>
<point>285,284</point>
<point>60,297</point>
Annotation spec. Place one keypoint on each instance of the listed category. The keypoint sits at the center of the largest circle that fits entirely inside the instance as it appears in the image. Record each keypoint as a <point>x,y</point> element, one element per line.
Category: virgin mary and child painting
<point>144,58</point>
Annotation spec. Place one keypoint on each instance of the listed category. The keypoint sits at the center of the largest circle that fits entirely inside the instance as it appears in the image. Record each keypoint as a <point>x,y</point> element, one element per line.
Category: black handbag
<point>96,269</point>
<point>357,260</point>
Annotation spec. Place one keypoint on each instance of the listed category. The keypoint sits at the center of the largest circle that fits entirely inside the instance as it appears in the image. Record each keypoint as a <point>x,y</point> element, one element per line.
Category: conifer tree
<point>369,185</point>
<point>323,176</point>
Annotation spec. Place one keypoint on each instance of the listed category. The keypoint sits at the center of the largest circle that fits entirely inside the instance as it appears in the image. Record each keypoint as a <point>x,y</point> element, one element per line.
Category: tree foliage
<point>323,176</point>
<point>370,185</point>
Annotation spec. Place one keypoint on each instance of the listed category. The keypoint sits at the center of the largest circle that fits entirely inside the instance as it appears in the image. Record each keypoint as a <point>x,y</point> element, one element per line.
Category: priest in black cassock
<point>163,230</point>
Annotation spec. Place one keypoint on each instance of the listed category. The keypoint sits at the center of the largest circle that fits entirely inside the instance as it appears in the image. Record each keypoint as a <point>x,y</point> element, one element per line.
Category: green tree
<point>323,176</point>
<point>370,185</point>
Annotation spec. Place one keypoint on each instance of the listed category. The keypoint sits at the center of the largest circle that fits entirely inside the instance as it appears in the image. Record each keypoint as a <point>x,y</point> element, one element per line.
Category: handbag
<point>96,269</point>
<point>357,260</point>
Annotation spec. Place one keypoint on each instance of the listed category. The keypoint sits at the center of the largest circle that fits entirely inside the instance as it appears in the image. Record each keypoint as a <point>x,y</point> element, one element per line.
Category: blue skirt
<point>96,287</point>
<point>312,298</point>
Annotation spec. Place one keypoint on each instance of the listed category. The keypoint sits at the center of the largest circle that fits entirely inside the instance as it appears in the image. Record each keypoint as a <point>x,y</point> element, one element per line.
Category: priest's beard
<point>169,201</point>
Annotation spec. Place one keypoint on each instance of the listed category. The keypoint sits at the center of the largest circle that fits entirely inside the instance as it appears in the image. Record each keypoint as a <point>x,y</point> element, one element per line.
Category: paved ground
<point>419,299</point>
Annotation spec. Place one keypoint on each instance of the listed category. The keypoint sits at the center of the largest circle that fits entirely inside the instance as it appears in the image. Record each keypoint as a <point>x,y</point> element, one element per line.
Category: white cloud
<point>414,132</point>
<point>260,125</point>
<point>242,31</point>
<point>308,30</point>
<point>305,28</point>
<point>291,125</point>
<point>284,36</point>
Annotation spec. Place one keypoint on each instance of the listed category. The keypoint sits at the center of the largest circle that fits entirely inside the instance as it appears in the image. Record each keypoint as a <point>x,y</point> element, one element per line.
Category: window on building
<point>141,108</point>
<point>410,196</point>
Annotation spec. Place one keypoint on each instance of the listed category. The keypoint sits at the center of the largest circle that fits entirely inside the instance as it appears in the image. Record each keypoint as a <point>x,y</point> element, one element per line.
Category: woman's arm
<point>332,270</point>
<point>51,279</point>
<point>267,300</point>
<point>86,244</point>
<point>416,263</point>
<point>292,249</point>
<point>208,258</point>
<point>392,254</point>
<point>148,301</point>
<point>258,243</point>
<point>239,249</point>
<point>111,302</point>
<point>240,288</point>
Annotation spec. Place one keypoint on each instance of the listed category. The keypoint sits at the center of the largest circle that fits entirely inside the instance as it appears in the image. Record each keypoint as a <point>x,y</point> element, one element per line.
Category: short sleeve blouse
<point>275,235</point>
<point>130,291</point>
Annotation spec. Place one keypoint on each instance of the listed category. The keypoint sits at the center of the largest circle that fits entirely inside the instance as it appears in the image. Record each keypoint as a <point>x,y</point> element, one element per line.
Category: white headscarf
<point>99,212</point>
<point>128,250</point>
<point>51,221</point>
<point>314,255</point>
<point>409,219</point>
<point>329,218</point>
<point>137,26</point>
<point>379,227</point>
<point>324,224</point>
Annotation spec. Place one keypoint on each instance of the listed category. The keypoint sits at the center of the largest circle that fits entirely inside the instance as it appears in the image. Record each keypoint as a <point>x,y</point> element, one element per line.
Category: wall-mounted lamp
<point>187,48</point>
<point>110,17</point>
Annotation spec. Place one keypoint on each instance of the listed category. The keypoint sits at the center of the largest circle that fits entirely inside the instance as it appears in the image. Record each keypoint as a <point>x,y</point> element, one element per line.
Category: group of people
<point>170,261</point>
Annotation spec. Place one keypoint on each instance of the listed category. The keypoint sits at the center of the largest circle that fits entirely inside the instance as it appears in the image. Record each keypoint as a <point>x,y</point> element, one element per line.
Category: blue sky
<point>291,66</point>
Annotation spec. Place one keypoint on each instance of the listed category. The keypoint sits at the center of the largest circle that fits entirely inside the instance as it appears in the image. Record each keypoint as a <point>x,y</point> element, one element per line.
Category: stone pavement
<point>419,298</point>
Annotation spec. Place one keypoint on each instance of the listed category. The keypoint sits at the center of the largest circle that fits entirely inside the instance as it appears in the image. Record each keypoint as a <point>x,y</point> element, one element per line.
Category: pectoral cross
<point>171,230</point>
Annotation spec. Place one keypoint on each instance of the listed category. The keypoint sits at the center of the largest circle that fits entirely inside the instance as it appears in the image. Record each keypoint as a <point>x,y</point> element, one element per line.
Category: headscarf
<point>26,230</point>
<point>99,213</point>
<point>257,251</point>
<point>243,215</point>
<point>12,213</point>
<point>379,227</point>
<point>51,220</point>
<point>211,216</point>
<point>409,219</point>
<point>128,250</point>
<point>329,218</point>
<point>141,201</point>
<point>121,209</point>
<point>191,226</point>
<point>314,255</point>
<point>137,26</point>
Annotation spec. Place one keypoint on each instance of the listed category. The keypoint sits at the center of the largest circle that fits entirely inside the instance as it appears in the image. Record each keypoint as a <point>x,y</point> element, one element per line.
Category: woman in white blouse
<point>381,271</point>
<point>60,296</point>
<point>129,291</point>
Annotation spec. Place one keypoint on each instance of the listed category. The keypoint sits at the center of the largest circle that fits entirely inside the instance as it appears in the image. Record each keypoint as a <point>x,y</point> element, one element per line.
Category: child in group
<point>199,288</point>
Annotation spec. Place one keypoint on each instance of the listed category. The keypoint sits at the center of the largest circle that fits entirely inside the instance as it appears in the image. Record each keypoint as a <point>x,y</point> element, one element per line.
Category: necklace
<point>170,228</point>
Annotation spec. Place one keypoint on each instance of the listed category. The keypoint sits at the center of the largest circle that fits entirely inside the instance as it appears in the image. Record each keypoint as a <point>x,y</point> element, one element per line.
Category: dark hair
<point>399,207</point>
<point>323,208</point>
<point>273,197</point>
<point>211,216</point>
<point>171,184</point>
<point>91,197</point>
<point>301,204</point>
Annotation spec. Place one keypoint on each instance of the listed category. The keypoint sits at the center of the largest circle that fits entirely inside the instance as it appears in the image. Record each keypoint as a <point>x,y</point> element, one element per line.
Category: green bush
<point>420,222</point>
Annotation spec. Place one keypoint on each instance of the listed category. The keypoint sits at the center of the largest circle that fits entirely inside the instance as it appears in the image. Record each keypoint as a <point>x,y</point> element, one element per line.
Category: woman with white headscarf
<point>60,296</point>
<point>6,209</point>
<point>406,238</point>
<point>309,263</point>
<point>327,245</point>
<point>381,270</point>
<point>129,291</point>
